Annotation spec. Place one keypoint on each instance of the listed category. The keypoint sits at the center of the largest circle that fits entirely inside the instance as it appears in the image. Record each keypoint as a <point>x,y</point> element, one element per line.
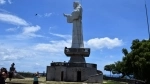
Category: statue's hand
<point>65,15</point>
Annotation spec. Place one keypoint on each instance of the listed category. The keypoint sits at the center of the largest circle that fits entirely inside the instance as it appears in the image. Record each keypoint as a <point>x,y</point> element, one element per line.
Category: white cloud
<point>9,1</point>
<point>96,43</point>
<point>99,43</point>
<point>108,57</point>
<point>48,14</point>
<point>12,19</point>
<point>12,29</point>
<point>31,30</point>
<point>53,46</point>
<point>52,28</point>
<point>37,64</point>
<point>44,15</point>
<point>61,35</point>
<point>11,53</point>
<point>2,1</point>
<point>39,15</point>
<point>3,11</point>
<point>1,64</point>
<point>28,56</point>
<point>27,33</point>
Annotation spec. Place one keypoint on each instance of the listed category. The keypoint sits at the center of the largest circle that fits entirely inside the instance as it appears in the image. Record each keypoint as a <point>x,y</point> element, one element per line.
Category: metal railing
<point>89,65</point>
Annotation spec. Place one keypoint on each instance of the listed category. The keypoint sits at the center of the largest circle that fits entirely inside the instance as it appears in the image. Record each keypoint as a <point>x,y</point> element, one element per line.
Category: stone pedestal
<point>76,70</point>
<point>77,55</point>
<point>77,59</point>
<point>73,72</point>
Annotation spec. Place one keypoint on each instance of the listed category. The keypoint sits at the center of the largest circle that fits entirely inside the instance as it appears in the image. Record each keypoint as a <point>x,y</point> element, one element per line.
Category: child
<point>35,80</point>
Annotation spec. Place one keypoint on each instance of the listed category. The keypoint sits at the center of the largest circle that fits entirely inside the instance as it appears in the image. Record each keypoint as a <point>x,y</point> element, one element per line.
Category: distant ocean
<point>117,75</point>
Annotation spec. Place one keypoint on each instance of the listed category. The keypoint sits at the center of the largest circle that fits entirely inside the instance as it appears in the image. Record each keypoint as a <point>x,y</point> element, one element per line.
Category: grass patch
<point>42,80</point>
<point>113,82</point>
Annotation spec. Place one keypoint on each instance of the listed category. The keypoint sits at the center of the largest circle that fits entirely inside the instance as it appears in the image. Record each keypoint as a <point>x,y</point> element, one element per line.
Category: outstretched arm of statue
<point>66,15</point>
<point>69,18</point>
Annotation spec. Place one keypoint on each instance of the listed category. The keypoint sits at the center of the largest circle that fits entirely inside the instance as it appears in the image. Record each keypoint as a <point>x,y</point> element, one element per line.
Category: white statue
<point>76,18</point>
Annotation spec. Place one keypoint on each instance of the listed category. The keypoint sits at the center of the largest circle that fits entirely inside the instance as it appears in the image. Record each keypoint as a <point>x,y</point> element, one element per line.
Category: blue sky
<point>33,42</point>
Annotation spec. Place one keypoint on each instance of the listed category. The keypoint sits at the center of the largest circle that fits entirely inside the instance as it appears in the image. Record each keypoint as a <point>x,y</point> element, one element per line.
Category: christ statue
<point>76,19</point>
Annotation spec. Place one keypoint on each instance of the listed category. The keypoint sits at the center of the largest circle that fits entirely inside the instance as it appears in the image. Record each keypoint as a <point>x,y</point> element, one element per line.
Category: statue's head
<point>76,4</point>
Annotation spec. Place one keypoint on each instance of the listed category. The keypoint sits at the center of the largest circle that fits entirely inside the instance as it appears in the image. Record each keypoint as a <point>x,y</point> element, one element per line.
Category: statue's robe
<point>77,34</point>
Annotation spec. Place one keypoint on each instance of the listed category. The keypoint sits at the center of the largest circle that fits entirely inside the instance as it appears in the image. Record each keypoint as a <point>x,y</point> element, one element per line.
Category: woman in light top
<point>35,80</point>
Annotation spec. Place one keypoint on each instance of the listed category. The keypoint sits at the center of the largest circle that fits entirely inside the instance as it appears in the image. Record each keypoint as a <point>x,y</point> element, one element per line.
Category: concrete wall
<point>85,73</point>
<point>54,73</point>
<point>69,73</point>
<point>50,73</point>
<point>88,72</point>
<point>58,71</point>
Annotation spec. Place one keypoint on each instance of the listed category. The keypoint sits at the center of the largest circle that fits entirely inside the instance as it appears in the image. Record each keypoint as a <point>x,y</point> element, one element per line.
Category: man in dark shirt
<point>2,77</point>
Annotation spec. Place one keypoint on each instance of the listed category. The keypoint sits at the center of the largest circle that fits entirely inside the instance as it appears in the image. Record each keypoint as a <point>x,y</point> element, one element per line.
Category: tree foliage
<point>136,62</point>
<point>110,68</point>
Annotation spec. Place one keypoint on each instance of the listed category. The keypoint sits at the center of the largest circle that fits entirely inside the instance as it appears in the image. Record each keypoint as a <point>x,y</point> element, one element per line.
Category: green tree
<point>136,62</point>
<point>119,67</point>
<point>126,64</point>
<point>122,67</point>
<point>110,68</point>
<point>140,56</point>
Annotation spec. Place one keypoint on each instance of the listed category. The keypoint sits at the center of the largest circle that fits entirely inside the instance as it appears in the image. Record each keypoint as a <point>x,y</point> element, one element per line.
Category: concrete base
<point>98,78</point>
<point>77,59</point>
<point>71,72</point>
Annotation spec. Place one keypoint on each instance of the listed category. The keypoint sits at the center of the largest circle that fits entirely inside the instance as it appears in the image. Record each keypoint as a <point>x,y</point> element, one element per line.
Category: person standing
<point>35,79</point>
<point>12,70</point>
<point>2,77</point>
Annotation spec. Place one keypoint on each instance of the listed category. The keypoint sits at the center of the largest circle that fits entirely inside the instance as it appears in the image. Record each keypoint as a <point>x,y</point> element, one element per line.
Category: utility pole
<point>147,20</point>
